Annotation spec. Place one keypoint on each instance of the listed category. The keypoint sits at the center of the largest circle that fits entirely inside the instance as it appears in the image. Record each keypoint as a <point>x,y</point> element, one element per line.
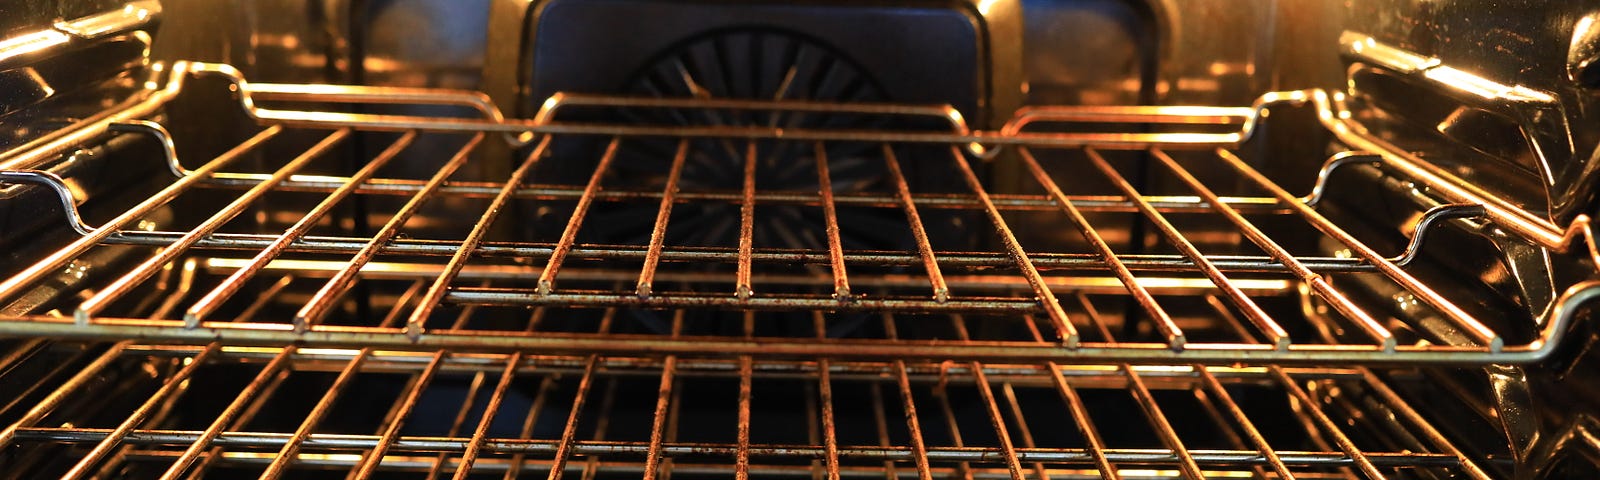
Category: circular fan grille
<point>752,64</point>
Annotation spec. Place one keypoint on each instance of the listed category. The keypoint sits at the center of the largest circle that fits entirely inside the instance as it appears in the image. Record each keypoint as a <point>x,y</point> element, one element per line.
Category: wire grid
<point>222,411</point>
<point>1270,290</point>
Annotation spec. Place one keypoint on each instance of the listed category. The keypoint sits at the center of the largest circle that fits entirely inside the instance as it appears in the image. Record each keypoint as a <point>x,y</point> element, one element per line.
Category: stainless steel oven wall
<point>1070,51</point>
<point>1218,52</point>
<point>1500,94</point>
<point>61,62</point>
<point>1012,53</point>
<point>1510,85</point>
<point>402,43</point>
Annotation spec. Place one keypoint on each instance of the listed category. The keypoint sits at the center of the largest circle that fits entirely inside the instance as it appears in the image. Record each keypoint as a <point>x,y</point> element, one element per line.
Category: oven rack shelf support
<point>1037,297</point>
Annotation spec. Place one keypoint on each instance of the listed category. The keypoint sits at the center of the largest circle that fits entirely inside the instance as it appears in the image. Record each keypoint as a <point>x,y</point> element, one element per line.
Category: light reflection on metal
<point>1234,124</point>
<point>24,44</point>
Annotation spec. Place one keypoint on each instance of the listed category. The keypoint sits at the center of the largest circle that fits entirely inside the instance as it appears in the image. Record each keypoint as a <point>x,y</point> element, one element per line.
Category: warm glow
<point>29,43</point>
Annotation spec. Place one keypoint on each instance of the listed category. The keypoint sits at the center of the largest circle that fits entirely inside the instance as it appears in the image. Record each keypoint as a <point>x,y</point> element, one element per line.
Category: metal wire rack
<point>1011,289</point>
<point>201,411</point>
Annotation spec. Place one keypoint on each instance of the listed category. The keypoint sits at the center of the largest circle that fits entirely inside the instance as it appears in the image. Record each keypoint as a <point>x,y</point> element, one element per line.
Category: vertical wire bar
<point>830,214</point>
<point>672,432</point>
<point>369,463</point>
<point>1214,413</point>
<point>1217,389</point>
<point>169,300</point>
<point>250,311</point>
<point>122,285</point>
<point>1075,405</point>
<point>664,400</point>
<point>676,404</point>
<point>441,284</point>
<point>49,402</point>
<point>830,440</point>
<point>1332,429</point>
<point>1086,426</point>
<point>291,448</point>
<point>1318,284</point>
<point>568,434</point>
<point>390,417</point>
<point>1404,409</point>
<point>919,451</point>
<point>324,298</point>
<point>529,421</point>
<point>441,458</point>
<point>999,421</point>
<point>160,415</point>
<point>1173,237</point>
<point>941,290</point>
<point>658,232</point>
<point>1010,395</point>
<point>398,412</point>
<point>1307,424</point>
<point>607,401</point>
<point>663,397</point>
<point>45,379</point>
<point>250,392</point>
<point>813,431</point>
<point>514,468</point>
<point>12,286</point>
<point>1471,325</point>
<point>1158,419</point>
<point>942,393</point>
<point>1147,402</point>
<point>1052,308</point>
<point>214,299</point>
<point>17,354</point>
<point>464,466</point>
<point>741,468</point>
<point>881,421</point>
<point>547,277</point>
<point>248,415</point>
<point>747,220</point>
<point>139,415</point>
<point>1260,442</point>
<point>1140,294</point>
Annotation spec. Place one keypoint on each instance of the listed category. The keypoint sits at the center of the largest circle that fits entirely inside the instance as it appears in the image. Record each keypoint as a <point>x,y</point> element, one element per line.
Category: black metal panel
<point>918,54</point>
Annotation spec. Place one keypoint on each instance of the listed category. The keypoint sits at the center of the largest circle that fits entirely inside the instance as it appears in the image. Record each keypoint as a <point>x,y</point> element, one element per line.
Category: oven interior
<point>796,239</point>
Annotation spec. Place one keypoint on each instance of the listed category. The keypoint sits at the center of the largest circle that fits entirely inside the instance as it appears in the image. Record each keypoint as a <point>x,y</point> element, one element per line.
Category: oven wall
<point>1028,52</point>
<point>1040,51</point>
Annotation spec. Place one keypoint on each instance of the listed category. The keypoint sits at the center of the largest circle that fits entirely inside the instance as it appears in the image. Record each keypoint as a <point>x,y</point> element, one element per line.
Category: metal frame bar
<point>465,253</point>
<point>306,448</point>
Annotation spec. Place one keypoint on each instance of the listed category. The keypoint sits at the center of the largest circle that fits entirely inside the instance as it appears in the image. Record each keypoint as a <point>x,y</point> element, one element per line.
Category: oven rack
<point>1016,287</point>
<point>557,415</point>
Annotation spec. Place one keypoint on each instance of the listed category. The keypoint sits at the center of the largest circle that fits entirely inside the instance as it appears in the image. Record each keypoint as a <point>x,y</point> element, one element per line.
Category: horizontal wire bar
<point>549,447</point>
<point>540,250</point>
<point>989,282</point>
<point>1007,202</point>
<point>769,302</point>
<point>767,347</point>
<point>415,361</point>
<point>413,463</point>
